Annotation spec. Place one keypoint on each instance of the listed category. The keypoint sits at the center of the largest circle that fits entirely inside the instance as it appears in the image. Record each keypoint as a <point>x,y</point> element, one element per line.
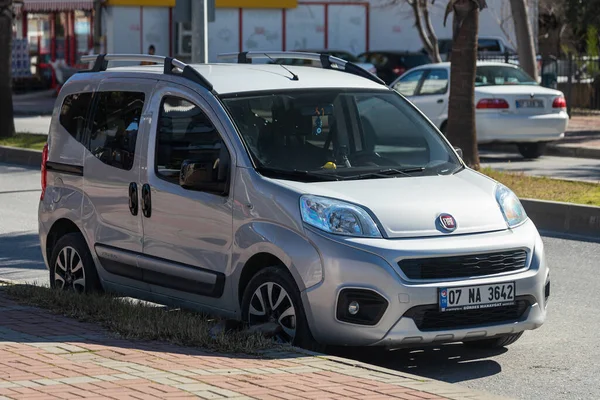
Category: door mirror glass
<point>459,151</point>
<point>207,173</point>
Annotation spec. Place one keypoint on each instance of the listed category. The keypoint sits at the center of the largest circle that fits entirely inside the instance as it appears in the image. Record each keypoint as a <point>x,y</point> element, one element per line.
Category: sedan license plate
<point>477,297</point>
<point>530,104</point>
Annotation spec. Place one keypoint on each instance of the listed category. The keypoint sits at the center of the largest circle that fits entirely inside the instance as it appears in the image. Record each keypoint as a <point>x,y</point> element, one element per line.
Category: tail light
<point>399,70</point>
<point>44,171</point>
<point>559,102</point>
<point>487,104</point>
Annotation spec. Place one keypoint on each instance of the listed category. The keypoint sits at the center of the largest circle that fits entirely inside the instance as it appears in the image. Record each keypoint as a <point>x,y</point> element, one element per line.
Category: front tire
<point>494,343</point>
<point>532,150</point>
<point>272,297</point>
<point>72,266</point>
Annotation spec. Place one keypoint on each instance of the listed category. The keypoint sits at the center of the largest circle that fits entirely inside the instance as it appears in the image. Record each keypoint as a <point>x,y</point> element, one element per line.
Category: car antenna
<point>294,76</point>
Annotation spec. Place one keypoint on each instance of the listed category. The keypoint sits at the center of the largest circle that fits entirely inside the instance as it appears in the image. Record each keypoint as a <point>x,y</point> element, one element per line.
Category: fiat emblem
<point>447,222</point>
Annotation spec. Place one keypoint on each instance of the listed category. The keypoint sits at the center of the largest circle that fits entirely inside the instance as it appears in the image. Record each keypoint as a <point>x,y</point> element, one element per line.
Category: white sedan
<point>510,106</point>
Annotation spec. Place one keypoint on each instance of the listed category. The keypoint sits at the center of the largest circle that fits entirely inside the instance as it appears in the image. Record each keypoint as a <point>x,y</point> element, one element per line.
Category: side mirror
<point>459,151</point>
<point>208,173</point>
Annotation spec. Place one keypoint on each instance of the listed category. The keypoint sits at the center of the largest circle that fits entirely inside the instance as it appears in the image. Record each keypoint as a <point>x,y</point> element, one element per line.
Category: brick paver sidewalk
<point>43,355</point>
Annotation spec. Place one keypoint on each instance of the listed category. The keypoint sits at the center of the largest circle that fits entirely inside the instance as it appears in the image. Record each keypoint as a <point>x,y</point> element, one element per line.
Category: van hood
<point>410,206</point>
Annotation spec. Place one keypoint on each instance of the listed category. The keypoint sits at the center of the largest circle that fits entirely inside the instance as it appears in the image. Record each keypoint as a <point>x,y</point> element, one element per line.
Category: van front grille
<point>464,266</point>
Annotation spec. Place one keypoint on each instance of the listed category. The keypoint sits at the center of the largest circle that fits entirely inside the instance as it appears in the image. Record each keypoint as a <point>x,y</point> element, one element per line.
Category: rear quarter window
<point>73,114</point>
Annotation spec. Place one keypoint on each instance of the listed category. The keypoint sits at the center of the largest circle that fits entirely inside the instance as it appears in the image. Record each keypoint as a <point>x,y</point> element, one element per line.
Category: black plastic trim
<point>356,70</point>
<point>68,169</point>
<point>145,268</point>
<point>372,306</point>
<point>419,315</point>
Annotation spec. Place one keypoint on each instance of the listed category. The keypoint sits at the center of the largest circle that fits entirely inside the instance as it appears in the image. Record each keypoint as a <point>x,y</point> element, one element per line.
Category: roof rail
<point>327,61</point>
<point>171,65</point>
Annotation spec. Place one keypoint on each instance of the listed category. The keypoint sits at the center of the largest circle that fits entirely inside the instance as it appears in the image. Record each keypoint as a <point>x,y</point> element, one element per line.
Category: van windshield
<point>338,134</point>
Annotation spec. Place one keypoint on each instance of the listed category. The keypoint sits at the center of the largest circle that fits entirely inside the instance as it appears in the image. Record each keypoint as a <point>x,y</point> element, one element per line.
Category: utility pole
<point>199,31</point>
<point>526,48</point>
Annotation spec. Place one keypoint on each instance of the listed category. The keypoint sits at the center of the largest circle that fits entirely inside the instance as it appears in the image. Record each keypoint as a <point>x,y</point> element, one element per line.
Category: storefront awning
<point>55,5</point>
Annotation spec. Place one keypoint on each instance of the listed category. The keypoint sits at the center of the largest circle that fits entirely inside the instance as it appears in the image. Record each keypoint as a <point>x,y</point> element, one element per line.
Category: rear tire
<point>532,150</point>
<point>273,297</point>
<point>494,343</point>
<point>72,266</point>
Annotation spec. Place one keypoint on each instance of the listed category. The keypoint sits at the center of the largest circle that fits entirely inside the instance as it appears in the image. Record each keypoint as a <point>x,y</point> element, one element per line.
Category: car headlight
<point>511,207</point>
<point>338,217</point>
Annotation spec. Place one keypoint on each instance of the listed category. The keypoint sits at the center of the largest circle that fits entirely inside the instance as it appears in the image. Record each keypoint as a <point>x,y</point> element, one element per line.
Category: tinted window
<point>308,135</point>
<point>73,113</point>
<point>408,84</point>
<point>184,133</point>
<point>115,128</point>
<point>435,83</point>
<point>414,60</point>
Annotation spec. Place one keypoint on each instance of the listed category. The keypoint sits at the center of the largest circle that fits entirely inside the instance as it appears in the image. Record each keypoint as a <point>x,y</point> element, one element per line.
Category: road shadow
<point>20,256</point>
<point>451,363</point>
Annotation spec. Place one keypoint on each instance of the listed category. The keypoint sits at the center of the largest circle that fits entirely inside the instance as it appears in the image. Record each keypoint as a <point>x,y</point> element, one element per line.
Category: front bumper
<point>372,264</point>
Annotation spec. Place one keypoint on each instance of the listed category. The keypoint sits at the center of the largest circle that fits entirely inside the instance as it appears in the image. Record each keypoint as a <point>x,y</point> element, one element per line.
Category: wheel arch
<point>59,229</point>
<point>253,266</point>
<point>266,245</point>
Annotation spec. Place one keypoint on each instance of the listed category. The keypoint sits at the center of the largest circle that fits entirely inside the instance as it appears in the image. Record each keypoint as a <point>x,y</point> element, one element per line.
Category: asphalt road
<point>558,361</point>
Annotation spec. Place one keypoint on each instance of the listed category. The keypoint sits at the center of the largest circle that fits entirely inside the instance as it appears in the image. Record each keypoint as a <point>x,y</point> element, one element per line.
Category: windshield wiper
<point>387,173</point>
<point>295,173</point>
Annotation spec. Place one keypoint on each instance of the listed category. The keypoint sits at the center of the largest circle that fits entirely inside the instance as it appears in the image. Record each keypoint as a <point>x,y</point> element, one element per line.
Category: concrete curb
<point>566,218</point>
<point>14,155</point>
<point>572,151</point>
<point>557,150</point>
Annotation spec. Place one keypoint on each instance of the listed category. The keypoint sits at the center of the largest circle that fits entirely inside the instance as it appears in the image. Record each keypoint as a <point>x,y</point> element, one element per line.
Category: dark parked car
<point>391,64</point>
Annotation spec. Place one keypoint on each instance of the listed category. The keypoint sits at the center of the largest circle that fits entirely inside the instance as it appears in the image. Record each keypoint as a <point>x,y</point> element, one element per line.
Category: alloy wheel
<point>271,303</point>
<point>69,273</point>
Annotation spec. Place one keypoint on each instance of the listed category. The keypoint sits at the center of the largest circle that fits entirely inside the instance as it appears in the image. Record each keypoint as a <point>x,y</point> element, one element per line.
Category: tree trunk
<point>7,123</point>
<point>525,45</point>
<point>426,32</point>
<point>461,108</point>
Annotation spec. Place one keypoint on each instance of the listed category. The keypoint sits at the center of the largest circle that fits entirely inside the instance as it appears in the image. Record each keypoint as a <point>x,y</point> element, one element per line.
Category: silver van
<point>316,200</point>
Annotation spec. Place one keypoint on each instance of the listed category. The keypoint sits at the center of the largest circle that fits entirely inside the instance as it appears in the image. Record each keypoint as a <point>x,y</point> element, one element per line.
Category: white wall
<point>391,27</point>
<point>134,29</point>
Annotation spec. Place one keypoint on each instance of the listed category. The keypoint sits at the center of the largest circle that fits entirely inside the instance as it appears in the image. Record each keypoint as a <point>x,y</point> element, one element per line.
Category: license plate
<point>477,297</point>
<point>530,104</point>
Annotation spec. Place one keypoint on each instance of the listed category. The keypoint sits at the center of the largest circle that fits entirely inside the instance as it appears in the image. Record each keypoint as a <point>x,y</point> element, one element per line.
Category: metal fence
<point>576,75</point>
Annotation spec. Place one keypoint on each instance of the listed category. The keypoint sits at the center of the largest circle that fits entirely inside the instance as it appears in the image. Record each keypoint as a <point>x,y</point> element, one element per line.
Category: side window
<point>73,113</point>
<point>409,83</point>
<point>115,127</point>
<point>436,82</point>
<point>189,150</point>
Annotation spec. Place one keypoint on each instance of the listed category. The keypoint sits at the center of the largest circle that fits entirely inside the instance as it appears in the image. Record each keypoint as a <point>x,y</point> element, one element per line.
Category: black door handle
<point>133,198</point>
<point>440,101</point>
<point>146,201</point>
